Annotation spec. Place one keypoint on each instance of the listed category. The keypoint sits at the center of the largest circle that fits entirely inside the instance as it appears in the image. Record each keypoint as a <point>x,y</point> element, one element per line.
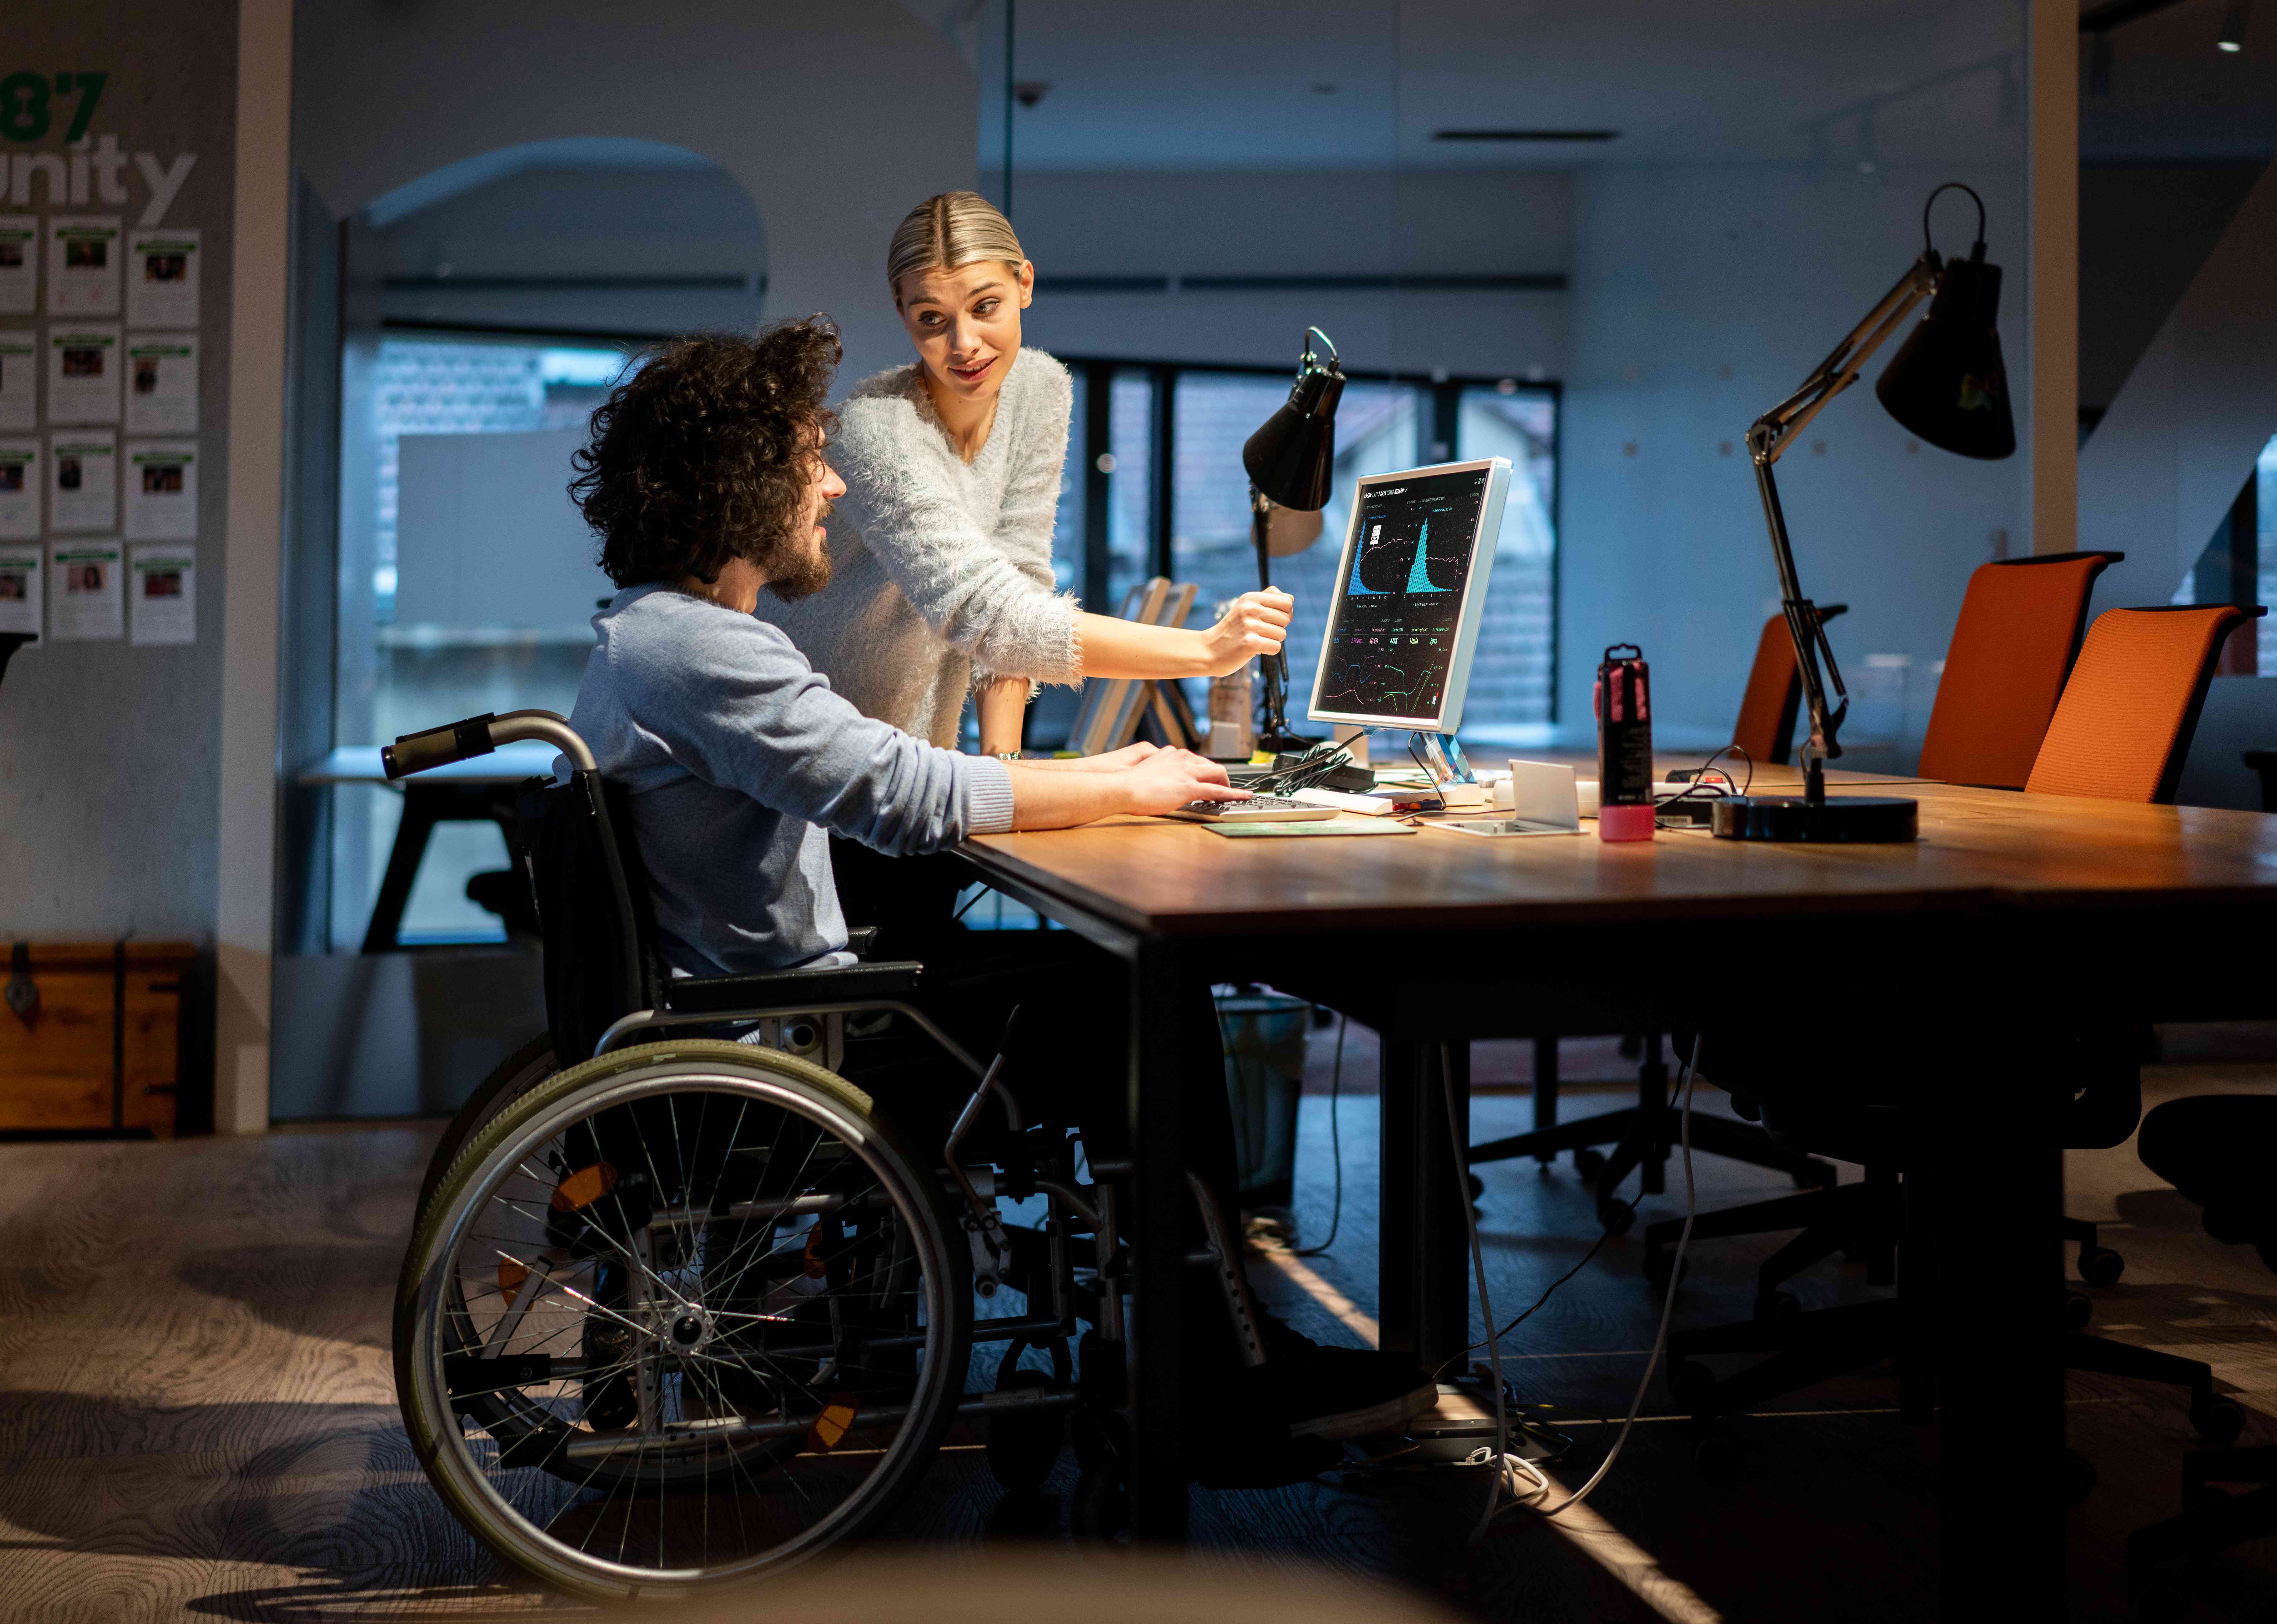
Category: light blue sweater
<point>739,757</point>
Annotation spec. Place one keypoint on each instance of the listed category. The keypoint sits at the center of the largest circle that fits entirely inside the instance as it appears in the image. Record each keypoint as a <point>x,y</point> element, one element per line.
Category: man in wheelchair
<point>706,478</point>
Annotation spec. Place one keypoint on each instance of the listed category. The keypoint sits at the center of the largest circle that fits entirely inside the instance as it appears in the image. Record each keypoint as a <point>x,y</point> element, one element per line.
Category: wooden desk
<point>2009,904</point>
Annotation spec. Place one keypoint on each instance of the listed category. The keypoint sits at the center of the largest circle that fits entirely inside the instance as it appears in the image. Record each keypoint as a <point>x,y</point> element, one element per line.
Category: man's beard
<point>792,581</point>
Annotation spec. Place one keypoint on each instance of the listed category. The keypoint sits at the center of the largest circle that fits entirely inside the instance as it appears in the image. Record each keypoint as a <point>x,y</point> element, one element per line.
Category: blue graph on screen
<point>1392,637</point>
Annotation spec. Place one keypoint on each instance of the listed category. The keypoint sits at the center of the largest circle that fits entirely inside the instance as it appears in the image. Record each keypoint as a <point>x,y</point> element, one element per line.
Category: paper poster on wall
<point>20,375</point>
<point>161,382</point>
<point>83,368</point>
<point>83,255</point>
<point>19,490</point>
<point>162,490</point>
<point>82,481</point>
<point>90,597</point>
<point>162,278</point>
<point>19,265</point>
<point>21,575</point>
<point>162,602</point>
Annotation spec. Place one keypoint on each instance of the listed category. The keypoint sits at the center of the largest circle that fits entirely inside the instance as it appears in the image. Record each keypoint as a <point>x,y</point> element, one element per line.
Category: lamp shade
<point>1291,458</point>
<point>1947,385</point>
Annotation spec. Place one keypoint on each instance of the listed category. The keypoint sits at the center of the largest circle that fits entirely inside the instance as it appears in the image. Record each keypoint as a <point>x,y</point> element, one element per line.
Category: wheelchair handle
<point>479,735</point>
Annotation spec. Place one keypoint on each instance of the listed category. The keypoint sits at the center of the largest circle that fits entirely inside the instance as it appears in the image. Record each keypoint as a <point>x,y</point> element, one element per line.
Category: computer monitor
<point>1409,593</point>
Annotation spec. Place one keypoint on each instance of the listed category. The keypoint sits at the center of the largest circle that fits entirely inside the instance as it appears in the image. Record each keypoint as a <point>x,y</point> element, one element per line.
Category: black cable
<point>1675,1085</point>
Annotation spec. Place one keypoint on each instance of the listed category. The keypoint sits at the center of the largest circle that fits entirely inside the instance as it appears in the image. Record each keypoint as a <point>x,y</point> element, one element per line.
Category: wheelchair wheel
<point>514,1076</point>
<point>679,1316</point>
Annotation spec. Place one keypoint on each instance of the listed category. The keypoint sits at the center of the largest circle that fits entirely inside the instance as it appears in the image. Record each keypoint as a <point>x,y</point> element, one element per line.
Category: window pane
<point>1511,672</point>
<point>1379,428</point>
<point>1130,485</point>
<point>1067,528</point>
<point>444,613</point>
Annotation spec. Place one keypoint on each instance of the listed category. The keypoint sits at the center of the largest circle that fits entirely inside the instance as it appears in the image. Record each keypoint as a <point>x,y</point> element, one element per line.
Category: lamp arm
<point>1841,369</point>
<point>1767,440</point>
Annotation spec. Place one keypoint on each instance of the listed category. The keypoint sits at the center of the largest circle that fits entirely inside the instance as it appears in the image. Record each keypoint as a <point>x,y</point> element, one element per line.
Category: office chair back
<point>2123,729</point>
<point>2012,646</point>
<point>1767,710</point>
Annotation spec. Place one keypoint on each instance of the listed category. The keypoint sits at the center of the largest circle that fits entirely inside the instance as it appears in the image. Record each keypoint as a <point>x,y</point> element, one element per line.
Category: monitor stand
<point>1449,770</point>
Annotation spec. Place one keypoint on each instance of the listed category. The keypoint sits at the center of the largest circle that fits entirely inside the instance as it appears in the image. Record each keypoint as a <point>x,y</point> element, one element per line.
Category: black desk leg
<point>1423,1278</point>
<point>422,809</point>
<point>1161,1200</point>
<point>1994,1200</point>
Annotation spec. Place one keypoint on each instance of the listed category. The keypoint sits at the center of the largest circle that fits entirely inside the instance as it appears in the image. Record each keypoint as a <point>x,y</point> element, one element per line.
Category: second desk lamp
<point>1947,385</point>
<point>1290,462</point>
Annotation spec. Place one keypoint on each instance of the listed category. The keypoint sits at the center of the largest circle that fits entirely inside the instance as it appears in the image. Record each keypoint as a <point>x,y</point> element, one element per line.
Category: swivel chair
<point>2214,1150</point>
<point>1642,1134</point>
<point>2014,645</point>
<point>2121,731</point>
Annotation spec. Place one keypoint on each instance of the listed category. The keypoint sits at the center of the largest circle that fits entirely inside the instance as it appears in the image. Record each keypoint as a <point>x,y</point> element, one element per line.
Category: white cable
<point>1511,1468</point>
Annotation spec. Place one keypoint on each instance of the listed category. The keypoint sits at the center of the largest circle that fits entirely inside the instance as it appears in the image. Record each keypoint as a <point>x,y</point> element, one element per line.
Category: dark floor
<point>197,1413</point>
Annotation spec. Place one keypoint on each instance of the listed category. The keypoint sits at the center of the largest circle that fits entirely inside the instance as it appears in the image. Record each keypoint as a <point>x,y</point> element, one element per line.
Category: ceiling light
<point>2233,25</point>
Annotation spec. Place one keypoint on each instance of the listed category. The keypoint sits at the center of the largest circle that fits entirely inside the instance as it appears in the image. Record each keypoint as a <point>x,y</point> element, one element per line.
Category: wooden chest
<point>91,1035</point>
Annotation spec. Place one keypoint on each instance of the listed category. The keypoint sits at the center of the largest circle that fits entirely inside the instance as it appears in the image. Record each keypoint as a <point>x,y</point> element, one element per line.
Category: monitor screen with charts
<point>1408,596</point>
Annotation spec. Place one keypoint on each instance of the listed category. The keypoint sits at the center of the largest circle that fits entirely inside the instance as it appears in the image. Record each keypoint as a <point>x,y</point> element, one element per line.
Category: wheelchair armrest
<point>860,939</point>
<point>793,988</point>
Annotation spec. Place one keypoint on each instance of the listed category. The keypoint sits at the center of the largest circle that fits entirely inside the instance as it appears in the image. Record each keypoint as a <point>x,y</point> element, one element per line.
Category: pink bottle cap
<point>1625,822</point>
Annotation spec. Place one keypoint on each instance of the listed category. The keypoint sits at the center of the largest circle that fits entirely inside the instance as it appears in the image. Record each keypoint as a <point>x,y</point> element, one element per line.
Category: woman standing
<point>940,551</point>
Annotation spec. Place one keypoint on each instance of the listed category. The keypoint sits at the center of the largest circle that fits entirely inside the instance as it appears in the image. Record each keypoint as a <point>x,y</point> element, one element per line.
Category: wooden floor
<point>197,1417</point>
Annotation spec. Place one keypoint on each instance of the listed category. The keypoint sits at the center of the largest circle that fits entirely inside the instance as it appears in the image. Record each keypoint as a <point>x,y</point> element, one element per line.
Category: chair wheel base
<point>2100,1266</point>
<point>2218,1423</point>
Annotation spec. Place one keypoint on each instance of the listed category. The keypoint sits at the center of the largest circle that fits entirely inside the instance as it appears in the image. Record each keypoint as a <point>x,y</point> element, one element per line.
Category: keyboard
<point>1257,809</point>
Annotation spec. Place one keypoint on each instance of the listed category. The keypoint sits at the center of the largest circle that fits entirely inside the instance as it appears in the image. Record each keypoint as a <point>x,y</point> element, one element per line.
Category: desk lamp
<point>1290,462</point>
<point>1946,386</point>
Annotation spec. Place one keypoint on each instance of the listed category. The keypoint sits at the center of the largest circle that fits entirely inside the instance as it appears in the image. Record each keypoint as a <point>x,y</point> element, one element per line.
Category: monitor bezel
<point>1472,611</point>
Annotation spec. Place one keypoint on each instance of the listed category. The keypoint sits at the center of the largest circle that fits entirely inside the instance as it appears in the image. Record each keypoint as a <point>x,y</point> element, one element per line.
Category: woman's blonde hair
<point>948,232</point>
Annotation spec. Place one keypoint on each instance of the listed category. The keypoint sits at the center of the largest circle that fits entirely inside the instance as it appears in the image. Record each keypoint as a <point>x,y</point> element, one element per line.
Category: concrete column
<point>2050,358</point>
<point>245,909</point>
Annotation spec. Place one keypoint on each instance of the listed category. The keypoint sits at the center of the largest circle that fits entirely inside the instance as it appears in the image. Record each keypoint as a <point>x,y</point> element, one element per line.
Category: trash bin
<point>1264,1034</point>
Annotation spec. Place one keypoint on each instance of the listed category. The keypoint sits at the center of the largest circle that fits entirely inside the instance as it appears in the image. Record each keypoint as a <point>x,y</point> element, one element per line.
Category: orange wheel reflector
<point>511,1275</point>
<point>584,1187</point>
<point>831,1427</point>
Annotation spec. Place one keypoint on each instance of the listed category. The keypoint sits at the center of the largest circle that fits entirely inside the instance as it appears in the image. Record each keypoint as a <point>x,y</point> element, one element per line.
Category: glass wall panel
<point>1512,672</point>
<point>448,608</point>
<point>1067,528</point>
<point>1379,427</point>
<point>1130,485</point>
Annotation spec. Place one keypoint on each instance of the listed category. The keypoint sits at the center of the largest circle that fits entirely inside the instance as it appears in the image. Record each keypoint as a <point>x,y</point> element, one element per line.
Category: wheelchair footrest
<point>782,989</point>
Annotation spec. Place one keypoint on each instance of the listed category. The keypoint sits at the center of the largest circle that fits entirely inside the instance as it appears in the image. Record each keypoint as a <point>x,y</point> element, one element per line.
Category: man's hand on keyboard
<point>1168,779</point>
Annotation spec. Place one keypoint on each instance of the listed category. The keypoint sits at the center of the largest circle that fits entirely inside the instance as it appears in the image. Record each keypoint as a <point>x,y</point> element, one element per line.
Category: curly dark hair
<point>702,454</point>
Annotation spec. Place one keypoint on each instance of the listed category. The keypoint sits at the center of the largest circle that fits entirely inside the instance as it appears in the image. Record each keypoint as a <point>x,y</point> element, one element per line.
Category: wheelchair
<point>680,1311</point>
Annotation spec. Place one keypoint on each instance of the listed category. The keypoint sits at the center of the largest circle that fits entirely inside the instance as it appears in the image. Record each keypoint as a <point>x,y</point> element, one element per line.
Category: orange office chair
<point>1773,698</point>
<point>2121,731</point>
<point>2012,649</point>
<point>2131,708</point>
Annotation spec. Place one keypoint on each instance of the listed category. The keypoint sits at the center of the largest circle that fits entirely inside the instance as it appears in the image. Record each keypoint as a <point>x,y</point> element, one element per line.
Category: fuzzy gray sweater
<point>942,570</point>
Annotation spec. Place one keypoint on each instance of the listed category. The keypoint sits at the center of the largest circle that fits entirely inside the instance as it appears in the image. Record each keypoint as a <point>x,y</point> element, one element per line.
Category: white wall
<point>2181,435</point>
<point>836,118</point>
<point>1701,297</point>
<point>109,753</point>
